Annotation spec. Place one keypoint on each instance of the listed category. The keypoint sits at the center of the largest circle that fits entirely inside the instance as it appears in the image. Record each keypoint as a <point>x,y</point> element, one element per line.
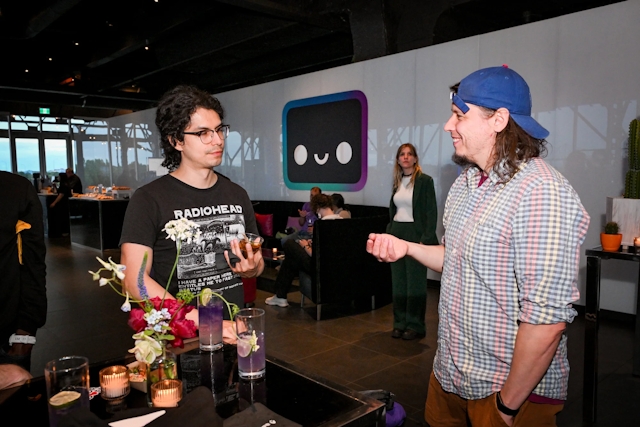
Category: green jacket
<point>425,209</point>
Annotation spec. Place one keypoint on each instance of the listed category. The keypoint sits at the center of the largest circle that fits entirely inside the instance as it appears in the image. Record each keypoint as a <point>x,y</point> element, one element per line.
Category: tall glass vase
<point>163,368</point>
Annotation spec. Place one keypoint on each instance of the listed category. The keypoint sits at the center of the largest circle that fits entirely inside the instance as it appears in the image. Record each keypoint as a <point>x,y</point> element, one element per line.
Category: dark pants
<point>409,284</point>
<point>295,259</point>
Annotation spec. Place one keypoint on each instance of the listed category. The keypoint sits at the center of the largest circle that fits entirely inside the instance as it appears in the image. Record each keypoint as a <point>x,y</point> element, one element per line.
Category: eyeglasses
<point>206,136</point>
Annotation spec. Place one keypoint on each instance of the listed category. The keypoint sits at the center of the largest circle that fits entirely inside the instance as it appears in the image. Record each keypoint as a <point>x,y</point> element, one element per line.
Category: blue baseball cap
<point>497,87</point>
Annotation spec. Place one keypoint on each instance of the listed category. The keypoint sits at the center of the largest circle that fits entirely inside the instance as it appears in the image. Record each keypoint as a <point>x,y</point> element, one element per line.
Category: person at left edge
<point>23,294</point>
<point>192,133</point>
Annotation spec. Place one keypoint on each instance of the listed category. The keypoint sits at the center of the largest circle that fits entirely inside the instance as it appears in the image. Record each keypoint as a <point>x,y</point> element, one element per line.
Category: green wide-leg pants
<point>409,284</point>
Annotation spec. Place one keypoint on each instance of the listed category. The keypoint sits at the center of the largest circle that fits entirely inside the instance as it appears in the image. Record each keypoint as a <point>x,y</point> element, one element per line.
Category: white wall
<point>584,74</point>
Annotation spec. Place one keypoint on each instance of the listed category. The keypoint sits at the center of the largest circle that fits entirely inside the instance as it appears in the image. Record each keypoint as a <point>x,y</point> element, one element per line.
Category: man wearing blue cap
<point>509,263</point>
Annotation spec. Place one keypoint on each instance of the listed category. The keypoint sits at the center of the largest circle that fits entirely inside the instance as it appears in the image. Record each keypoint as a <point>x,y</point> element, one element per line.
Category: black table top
<point>296,395</point>
<point>625,253</point>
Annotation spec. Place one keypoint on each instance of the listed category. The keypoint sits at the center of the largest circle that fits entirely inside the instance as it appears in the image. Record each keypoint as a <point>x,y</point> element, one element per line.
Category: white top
<point>403,199</point>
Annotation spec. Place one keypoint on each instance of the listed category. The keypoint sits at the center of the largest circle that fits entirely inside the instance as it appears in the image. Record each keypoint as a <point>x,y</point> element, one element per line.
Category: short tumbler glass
<point>251,355</point>
<point>253,239</point>
<point>67,381</point>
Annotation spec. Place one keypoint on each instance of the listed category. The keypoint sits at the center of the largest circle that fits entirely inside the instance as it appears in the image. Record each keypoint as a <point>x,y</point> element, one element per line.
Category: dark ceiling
<point>88,58</point>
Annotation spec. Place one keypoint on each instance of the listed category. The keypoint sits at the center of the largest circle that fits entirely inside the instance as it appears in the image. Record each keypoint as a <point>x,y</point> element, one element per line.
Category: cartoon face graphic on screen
<point>325,142</point>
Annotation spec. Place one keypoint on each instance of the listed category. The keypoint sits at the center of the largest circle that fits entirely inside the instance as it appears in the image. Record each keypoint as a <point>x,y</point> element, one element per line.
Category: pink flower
<point>182,329</point>
<point>136,320</point>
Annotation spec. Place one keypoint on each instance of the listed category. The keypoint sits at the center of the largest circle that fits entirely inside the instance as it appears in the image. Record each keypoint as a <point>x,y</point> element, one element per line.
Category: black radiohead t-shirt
<point>222,212</point>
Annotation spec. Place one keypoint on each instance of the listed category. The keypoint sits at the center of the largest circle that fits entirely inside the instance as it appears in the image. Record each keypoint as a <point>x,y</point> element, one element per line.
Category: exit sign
<point>45,111</point>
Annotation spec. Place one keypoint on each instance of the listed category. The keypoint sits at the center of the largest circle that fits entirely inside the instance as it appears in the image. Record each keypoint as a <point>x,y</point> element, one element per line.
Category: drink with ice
<point>250,330</point>
<point>251,363</point>
<point>210,322</point>
<point>253,239</point>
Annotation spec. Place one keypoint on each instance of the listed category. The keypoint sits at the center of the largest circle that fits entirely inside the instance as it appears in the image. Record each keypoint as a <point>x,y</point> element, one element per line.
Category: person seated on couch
<point>297,253</point>
<point>306,219</point>
<point>339,206</point>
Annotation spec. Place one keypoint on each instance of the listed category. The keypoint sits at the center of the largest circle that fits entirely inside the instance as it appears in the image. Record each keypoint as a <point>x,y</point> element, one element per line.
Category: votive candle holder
<point>114,382</point>
<point>166,393</point>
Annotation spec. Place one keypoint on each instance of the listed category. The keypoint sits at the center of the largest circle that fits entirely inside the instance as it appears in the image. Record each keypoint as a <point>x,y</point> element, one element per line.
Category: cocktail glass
<point>210,322</point>
<point>67,381</point>
<point>251,355</point>
<point>253,239</point>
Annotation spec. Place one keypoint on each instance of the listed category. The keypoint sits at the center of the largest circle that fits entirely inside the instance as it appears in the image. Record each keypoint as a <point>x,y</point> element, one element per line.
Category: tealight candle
<point>114,382</point>
<point>166,393</point>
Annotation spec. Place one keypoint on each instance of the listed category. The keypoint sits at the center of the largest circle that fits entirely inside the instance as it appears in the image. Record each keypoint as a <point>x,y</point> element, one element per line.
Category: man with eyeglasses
<point>192,135</point>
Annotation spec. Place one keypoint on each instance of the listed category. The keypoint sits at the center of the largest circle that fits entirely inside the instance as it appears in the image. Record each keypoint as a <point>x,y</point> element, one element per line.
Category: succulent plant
<point>632,179</point>
<point>611,228</point>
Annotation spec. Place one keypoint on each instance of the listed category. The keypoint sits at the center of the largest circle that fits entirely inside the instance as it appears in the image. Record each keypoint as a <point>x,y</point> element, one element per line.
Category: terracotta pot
<point>610,242</point>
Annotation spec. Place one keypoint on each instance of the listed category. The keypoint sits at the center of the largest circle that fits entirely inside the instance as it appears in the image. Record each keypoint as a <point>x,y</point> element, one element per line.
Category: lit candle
<point>114,382</point>
<point>636,242</point>
<point>275,252</point>
<point>166,393</point>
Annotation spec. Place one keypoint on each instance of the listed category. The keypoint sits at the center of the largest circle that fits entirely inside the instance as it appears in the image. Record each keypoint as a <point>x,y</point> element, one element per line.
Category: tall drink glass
<point>251,355</point>
<point>210,322</point>
<point>67,381</point>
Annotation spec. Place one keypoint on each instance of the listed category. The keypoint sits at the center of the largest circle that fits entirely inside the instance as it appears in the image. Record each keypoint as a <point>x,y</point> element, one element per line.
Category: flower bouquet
<point>158,321</point>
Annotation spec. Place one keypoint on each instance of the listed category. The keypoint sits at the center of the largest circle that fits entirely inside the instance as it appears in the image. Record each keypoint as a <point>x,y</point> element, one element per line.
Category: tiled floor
<point>349,346</point>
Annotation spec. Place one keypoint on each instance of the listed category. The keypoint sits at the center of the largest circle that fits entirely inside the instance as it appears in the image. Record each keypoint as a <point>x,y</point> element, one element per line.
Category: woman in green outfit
<point>413,214</point>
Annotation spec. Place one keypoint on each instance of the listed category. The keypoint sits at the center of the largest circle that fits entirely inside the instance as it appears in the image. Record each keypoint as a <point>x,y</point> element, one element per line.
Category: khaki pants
<point>444,409</point>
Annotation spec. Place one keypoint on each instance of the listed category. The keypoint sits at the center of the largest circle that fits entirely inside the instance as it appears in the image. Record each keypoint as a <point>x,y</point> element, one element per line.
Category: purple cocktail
<point>210,323</point>
<point>251,358</point>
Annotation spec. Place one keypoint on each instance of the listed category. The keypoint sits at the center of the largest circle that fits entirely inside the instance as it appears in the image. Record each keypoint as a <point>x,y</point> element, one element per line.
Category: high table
<point>97,223</point>
<point>592,306</point>
<point>288,391</point>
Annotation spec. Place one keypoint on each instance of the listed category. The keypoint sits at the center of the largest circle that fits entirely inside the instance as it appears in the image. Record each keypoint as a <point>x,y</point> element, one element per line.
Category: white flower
<point>103,281</point>
<point>146,348</point>
<point>126,307</point>
<point>182,229</point>
<point>112,266</point>
<point>95,276</point>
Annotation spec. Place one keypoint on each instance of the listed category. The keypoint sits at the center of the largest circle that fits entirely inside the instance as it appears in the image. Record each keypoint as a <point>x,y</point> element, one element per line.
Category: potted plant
<point>611,239</point>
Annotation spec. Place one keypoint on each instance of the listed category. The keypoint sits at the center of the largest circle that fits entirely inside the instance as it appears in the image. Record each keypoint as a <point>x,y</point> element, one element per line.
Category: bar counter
<point>97,223</point>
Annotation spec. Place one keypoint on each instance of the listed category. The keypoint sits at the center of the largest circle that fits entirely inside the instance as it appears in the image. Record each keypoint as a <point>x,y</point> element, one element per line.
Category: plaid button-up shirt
<point>511,254</point>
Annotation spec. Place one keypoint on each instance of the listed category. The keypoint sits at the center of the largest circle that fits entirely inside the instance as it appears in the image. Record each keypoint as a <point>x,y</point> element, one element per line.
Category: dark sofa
<point>281,211</point>
<point>343,271</point>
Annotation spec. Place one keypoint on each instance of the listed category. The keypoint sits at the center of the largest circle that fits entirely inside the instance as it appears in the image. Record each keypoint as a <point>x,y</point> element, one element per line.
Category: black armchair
<point>342,269</point>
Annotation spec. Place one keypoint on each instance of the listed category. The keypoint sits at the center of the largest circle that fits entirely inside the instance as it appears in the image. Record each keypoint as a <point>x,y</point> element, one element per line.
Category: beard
<point>461,160</point>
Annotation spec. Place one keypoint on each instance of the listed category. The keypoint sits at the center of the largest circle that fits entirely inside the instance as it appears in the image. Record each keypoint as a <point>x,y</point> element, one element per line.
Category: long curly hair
<point>173,116</point>
<point>513,146</point>
<point>397,170</point>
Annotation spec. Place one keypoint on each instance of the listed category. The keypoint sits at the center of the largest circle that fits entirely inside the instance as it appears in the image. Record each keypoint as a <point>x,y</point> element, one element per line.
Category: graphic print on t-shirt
<point>201,264</point>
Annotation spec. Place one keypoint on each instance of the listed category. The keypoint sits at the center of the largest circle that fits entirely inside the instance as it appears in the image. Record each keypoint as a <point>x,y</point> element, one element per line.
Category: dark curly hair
<point>513,146</point>
<point>174,114</point>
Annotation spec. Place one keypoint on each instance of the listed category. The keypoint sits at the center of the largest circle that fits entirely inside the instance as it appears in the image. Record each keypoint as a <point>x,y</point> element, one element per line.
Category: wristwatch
<point>503,408</point>
<point>21,339</point>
